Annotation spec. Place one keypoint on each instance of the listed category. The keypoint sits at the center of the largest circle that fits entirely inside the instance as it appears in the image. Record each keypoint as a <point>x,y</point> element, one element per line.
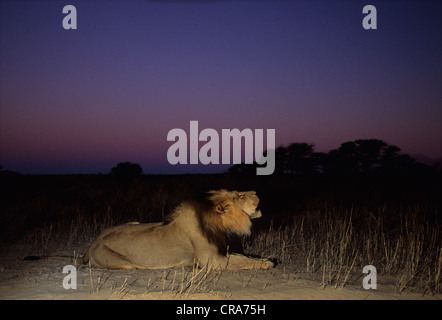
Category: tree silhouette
<point>358,157</point>
<point>364,156</point>
<point>343,160</point>
<point>127,170</point>
<point>298,158</point>
<point>369,154</point>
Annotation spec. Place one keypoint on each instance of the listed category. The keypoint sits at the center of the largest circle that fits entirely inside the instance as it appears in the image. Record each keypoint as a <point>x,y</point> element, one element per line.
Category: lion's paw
<point>267,264</point>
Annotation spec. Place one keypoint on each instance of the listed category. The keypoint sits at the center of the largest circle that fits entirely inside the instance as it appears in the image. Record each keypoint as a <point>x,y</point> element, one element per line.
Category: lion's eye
<point>240,196</point>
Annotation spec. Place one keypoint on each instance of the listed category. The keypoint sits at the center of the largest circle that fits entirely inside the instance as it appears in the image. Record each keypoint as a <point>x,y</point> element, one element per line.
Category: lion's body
<point>150,246</point>
<point>194,232</point>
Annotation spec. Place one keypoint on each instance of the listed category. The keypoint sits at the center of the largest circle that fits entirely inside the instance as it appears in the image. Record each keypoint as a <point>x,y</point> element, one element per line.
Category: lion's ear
<point>222,208</point>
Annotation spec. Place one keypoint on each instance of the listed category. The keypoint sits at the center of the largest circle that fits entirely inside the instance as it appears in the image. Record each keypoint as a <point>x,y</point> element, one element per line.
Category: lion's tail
<point>77,259</point>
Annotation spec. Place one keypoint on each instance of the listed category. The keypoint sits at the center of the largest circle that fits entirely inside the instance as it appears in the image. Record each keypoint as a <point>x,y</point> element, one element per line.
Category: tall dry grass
<point>404,243</point>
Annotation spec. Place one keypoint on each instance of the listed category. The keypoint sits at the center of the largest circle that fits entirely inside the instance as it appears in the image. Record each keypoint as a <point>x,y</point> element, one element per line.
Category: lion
<point>195,232</point>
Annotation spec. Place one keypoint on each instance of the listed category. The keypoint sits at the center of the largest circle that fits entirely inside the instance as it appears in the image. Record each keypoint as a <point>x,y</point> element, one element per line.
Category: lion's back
<point>147,244</point>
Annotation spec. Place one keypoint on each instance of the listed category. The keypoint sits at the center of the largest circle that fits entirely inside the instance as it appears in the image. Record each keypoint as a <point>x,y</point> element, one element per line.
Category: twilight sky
<point>80,101</point>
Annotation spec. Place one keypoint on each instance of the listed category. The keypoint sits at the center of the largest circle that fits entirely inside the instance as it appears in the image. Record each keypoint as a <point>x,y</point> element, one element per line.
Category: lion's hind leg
<point>238,261</point>
<point>104,257</point>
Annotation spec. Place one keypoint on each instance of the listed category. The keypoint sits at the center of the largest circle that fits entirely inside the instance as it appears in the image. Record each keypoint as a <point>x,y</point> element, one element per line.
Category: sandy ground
<point>43,279</point>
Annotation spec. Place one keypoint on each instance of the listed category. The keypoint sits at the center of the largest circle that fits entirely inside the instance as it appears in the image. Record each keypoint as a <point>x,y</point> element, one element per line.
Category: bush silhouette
<point>127,170</point>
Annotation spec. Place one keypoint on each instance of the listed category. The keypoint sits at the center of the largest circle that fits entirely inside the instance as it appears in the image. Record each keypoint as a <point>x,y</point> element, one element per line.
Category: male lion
<point>196,231</point>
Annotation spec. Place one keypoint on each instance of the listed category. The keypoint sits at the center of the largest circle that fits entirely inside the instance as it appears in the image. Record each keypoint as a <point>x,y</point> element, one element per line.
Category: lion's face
<point>247,201</point>
<point>232,211</point>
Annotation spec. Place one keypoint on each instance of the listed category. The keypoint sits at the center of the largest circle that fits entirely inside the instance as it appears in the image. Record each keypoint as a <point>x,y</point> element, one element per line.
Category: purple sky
<point>80,101</point>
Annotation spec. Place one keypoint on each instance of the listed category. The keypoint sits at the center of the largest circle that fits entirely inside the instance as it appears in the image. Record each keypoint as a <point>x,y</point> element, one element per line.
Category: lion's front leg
<point>234,262</point>
<point>238,261</point>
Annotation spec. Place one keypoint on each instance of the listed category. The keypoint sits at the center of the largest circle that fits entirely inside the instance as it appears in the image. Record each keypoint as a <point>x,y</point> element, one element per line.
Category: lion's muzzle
<point>255,214</point>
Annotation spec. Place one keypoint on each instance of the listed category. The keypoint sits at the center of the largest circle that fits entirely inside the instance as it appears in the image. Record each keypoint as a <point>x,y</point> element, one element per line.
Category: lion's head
<point>245,200</point>
<point>227,213</point>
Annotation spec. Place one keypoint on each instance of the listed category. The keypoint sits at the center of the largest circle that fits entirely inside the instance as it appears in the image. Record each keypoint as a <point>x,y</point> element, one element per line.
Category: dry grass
<point>404,243</point>
<point>178,283</point>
